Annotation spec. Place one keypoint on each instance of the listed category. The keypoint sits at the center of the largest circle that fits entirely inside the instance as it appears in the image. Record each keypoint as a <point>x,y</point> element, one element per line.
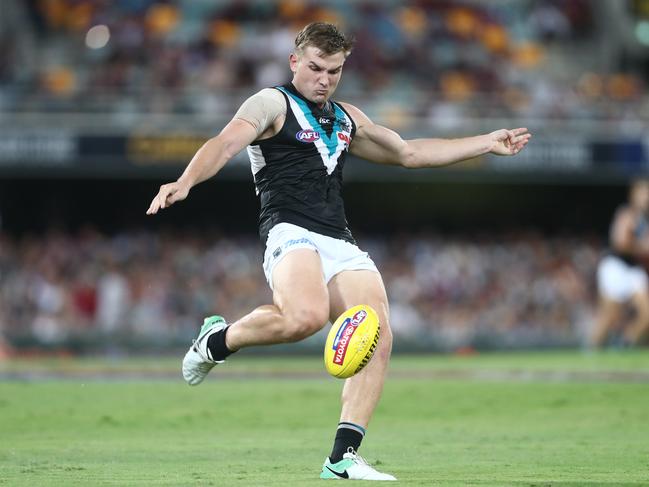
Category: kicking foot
<point>198,362</point>
<point>352,467</point>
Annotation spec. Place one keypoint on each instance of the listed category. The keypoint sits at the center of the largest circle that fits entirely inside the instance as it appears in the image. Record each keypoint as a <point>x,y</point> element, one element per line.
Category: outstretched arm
<point>257,117</point>
<point>382,145</point>
<point>207,161</point>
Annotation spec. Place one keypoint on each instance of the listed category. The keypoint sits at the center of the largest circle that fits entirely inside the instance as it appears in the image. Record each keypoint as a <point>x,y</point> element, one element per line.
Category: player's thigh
<point>350,288</point>
<point>299,289</point>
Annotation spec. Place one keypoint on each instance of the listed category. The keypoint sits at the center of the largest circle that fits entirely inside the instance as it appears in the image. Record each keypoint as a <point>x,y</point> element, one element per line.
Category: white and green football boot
<point>198,362</point>
<point>352,467</point>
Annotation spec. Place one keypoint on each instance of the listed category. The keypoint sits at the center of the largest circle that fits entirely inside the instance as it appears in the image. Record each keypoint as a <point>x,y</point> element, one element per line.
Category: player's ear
<point>292,62</point>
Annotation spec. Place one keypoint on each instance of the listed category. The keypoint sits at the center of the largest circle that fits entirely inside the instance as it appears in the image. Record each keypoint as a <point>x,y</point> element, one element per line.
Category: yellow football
<point>351,341</point>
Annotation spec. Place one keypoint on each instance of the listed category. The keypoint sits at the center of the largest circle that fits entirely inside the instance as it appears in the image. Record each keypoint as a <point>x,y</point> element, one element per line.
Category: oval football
<point>351,341</point>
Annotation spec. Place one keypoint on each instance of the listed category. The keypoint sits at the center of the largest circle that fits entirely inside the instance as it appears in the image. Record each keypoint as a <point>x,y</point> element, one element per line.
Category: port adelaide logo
<point>307,136</point>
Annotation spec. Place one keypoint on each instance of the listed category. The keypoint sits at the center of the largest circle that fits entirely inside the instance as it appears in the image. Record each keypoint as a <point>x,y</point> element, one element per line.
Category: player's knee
<point>304,322</point>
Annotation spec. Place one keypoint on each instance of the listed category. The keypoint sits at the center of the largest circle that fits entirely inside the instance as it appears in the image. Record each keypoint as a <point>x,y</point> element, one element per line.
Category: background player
<point>621,277</point>
<point>298,140</point>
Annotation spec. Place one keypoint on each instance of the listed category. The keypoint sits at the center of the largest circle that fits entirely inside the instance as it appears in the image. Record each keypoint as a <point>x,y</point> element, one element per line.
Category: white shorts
<point>335,254</point>
<point>618,280</point>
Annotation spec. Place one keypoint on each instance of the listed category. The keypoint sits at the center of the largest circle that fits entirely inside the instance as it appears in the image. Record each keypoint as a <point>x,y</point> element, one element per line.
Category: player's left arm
<point>384,146</point>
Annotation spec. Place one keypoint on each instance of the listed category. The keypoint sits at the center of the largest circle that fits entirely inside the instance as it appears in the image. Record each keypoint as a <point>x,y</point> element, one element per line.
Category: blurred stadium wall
<point>102,101</point>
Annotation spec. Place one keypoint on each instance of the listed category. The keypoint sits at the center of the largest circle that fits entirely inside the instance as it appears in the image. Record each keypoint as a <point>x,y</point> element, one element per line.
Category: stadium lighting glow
<point>642,32</point>
<point>97,36</point>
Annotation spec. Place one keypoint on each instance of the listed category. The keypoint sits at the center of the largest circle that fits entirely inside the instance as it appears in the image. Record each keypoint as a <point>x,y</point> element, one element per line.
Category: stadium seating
<point>518,289</point>
<point>441,62</point>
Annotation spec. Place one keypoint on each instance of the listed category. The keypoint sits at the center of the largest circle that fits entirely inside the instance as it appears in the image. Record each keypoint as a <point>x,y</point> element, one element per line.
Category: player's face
<point>315,74</point>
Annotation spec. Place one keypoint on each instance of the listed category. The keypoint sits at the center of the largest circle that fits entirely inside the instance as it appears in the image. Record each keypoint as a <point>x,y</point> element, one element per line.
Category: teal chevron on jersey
<point>298,172</point>
<point>331,141</point>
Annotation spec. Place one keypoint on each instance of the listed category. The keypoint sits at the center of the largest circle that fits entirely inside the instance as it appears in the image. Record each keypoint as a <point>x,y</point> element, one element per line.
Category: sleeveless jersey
<point>298,172</point>
<point>639,231</point>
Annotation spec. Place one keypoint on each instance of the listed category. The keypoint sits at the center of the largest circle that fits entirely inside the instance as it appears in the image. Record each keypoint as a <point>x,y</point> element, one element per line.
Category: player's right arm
<point>257,118</point>
<point>207,161</point>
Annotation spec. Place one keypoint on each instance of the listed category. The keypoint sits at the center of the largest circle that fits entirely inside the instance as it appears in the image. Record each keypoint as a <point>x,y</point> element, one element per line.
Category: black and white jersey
<point>298,171</point>
<point>640,230</point>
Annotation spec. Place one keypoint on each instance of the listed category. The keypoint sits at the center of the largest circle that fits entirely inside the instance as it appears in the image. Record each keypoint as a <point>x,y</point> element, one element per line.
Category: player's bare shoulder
<point>360,119</point>
<point>265,111</point>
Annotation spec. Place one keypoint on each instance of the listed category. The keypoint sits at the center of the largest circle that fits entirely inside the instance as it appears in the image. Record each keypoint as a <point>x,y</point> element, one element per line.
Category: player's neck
<point>319,105</point>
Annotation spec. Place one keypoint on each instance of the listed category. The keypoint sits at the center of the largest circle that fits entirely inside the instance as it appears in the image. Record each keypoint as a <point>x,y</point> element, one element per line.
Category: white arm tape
<point>262,108</point>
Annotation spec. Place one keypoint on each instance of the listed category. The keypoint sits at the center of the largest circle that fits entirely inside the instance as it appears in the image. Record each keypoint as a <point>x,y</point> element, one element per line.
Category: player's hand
<point>509,142</point>
<point>167,196</point>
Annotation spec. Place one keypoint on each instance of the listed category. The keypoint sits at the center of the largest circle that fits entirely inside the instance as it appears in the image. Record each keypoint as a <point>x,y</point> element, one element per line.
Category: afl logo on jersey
<point>307,136</point>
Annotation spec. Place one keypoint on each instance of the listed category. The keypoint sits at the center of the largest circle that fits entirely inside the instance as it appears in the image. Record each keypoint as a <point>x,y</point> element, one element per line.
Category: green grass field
<point>535,419</point>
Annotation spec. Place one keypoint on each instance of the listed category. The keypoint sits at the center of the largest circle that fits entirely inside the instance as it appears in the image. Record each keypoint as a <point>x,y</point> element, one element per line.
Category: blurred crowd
<point>437,60</point>
<point>511,290</point>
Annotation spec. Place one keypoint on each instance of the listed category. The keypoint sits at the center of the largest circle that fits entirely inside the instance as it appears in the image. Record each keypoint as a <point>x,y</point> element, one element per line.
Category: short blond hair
<point>325,36</point>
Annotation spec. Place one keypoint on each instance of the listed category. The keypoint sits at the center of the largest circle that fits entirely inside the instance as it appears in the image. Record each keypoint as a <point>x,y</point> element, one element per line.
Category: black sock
<point>347,435</point>
<point>216,345</point>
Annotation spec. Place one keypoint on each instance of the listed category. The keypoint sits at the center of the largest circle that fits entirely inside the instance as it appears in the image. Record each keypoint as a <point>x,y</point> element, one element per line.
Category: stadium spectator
<point>504,59</point>
<point>446,290</point>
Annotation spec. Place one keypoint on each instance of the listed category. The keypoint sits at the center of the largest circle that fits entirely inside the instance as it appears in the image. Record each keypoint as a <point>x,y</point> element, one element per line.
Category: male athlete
<point>621,278</point>
<point>298,140</point>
